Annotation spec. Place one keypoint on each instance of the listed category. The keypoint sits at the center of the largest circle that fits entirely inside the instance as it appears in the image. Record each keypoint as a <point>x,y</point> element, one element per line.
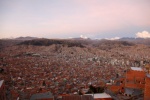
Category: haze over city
<point>73,18</point>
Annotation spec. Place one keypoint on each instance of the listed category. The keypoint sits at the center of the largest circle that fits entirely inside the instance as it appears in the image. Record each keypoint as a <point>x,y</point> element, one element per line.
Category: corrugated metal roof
<point>137,68</point>
<point>148,75</point>
<point>41,96</point>
<point>133,91</point>
<point>100,95</point>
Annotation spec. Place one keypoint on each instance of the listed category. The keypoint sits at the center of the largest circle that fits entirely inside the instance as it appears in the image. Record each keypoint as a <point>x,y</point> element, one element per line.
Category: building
<point>135,81</point>
<point>147,88</point>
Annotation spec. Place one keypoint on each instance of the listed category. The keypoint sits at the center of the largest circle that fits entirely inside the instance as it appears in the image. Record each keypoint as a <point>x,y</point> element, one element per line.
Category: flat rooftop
<point>148,75</point>
<point>100,95</point>
<point>137,68</point>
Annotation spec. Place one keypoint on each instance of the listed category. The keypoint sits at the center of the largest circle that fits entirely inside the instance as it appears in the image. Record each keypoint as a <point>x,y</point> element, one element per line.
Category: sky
<point>75,18</point>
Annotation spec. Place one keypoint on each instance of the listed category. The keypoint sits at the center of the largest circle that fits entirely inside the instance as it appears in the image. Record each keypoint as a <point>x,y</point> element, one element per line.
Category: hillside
<point>48,42</point>
<point>137,40</point>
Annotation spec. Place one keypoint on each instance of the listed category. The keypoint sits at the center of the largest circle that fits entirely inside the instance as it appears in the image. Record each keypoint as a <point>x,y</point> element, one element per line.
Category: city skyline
<point>74,18</point>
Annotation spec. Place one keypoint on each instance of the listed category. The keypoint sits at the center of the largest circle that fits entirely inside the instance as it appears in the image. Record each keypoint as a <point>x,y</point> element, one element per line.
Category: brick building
<point>147,88</point>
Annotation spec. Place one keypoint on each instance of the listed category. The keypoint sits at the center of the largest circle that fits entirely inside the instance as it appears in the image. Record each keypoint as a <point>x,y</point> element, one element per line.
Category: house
<point>147,88</point>
<point>135,81</point>
<point>132,85</point>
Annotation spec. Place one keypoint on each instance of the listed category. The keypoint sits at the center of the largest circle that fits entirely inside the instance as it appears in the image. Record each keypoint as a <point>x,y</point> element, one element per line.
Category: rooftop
<point>137,68</point>
<point>41,96</point>
<point>148,75</point>
<point>100,95</point>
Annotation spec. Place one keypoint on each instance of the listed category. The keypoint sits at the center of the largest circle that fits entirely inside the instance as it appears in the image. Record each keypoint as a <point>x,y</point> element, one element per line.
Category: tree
<point>93,89</point>
<point>44,84</point>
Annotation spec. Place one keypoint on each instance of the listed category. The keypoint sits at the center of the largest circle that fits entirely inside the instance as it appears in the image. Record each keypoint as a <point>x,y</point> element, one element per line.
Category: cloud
<point>83,37</point>
<point>115,38</point>
<point>143,34</point>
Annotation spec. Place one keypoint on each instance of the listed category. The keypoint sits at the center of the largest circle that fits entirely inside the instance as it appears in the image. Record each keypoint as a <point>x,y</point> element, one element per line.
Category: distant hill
<point>80,38</point>
<point>101,44</point>
<point>26,38</point>
<point>110,44</point>
<point>145,41</point>
<point>10,42</point>
<point>75,42</point>
<point>48,42</point>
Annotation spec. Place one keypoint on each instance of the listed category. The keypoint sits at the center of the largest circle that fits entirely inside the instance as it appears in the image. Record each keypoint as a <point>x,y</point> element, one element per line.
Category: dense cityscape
<point>27,68</point>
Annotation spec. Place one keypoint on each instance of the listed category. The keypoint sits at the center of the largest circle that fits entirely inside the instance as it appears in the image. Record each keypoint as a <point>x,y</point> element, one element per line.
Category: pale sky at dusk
<point>72,18</point>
